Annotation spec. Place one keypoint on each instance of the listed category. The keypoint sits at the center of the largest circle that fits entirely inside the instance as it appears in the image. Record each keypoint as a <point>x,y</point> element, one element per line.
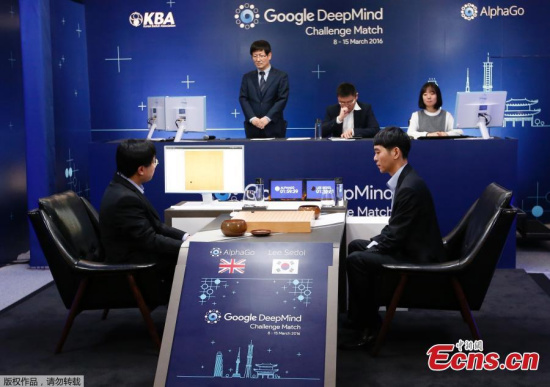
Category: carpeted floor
<point>118,352</point>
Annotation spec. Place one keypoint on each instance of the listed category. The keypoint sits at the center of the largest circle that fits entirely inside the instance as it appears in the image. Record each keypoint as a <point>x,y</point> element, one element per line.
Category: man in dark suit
<point>130,228</point>
<point>412,234</point>
<point>339,120</point>
<point>263,95</point>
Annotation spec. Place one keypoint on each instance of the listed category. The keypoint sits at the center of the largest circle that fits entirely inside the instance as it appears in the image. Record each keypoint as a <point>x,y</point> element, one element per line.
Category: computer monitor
<point>480,109</point>
<point>177,114</point>
<point>319,189</point>
<point>204,169</point>
<point>287,189</point>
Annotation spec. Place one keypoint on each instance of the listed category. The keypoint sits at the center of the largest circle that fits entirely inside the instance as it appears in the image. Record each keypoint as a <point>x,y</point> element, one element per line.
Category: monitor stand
<point>187,135</point>
<point>482,124</point>
<point>207,198</point>
<point>151,131</point>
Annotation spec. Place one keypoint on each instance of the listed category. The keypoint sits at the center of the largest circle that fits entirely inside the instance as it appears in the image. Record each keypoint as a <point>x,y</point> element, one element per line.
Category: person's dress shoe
<point>351,325</point>
<point>364,340</point>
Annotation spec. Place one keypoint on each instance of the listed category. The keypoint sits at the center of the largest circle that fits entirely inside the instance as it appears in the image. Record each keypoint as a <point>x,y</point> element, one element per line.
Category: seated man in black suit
<point>339,122</point>
<point>130,228</point>
<point>263,95</point>
<point>412,234</point>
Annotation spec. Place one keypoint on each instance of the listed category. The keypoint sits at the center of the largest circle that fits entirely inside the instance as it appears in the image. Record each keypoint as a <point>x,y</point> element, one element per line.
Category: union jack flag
<point>232,266</point>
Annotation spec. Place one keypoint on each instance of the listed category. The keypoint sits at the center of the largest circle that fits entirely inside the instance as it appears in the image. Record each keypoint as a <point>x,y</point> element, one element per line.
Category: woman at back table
<point>431,120</point>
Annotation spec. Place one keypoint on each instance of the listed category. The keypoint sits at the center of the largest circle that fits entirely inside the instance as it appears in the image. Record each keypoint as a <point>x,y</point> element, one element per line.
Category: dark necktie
<point>262,81</point>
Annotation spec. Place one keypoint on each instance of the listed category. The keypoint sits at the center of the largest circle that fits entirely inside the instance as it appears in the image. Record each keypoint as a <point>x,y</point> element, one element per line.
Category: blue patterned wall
<point>143,48</point>
<point>71,96</point>
<point>14,238</point>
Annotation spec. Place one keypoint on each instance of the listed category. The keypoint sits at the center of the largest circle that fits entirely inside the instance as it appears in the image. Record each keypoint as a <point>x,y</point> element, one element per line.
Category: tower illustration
<point>237,363</point>
<point>218,367</point>
<point>467,89</point>
<point>488,75</point>
<point>248,368</point>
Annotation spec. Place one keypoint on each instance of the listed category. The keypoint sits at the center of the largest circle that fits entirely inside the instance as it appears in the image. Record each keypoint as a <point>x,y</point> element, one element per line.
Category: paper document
<point>215,205</point>
<point>329,219</point>
<point>340,139</point>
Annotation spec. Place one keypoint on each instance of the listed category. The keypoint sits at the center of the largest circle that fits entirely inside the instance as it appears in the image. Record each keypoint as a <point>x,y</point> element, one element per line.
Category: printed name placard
<point>252,312</point>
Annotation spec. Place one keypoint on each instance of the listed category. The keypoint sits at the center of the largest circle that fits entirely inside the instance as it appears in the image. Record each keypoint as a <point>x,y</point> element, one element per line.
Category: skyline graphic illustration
<point>264,370</point>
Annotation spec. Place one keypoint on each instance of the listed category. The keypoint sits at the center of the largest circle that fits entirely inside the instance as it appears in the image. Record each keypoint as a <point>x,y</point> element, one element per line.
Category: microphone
<point>207,137</point>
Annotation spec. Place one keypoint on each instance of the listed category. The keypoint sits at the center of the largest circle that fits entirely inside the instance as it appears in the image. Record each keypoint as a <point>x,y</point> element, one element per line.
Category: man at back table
<point>263,95</point>
<point>349,117</point>
<point>130,228</point>
<point>412,235</point>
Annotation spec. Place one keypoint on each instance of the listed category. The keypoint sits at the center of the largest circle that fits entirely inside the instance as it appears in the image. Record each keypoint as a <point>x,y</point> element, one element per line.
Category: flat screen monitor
<point>480,109</point>
<point>289,189</point>
<point>177,114</point>
<point>204,169</point>
<point>320,189</point>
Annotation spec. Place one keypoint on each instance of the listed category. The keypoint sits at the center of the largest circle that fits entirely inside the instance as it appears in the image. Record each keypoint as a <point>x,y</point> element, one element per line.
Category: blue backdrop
<point>13,221</point>
<point>144,48</point>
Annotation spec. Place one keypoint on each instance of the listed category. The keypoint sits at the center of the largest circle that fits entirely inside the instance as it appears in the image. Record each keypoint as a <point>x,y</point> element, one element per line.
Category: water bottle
<point>259,189</point>
<point>339,186</point>
<point>318,129</point>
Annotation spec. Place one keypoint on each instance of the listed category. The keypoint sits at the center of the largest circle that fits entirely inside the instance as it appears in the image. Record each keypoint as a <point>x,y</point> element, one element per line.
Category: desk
<point>456,171</point>
<point>333,233</point>
<point>194,216</point>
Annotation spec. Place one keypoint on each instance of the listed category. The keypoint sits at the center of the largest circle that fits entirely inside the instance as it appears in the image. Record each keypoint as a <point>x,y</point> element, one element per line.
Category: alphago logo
<point>152,19</point>
<point>215,252</point>
<point>470,11</point>
<point>247,16</point>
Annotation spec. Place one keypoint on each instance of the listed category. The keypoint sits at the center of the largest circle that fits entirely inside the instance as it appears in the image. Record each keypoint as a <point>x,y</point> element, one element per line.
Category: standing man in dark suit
<point>412,234</point>
<point>339,120</point>
<point>263,95</point>
<point>130,228</point>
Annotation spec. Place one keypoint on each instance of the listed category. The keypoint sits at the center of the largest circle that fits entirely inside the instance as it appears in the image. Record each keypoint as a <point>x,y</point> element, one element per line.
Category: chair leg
<point>72,314</point>
<point>390,312</point>
<point>144,310</point>
<point>465,308</point>
<point>104,314</point>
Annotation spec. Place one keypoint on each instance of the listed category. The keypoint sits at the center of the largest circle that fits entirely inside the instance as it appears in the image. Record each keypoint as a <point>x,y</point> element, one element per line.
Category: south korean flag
<point>285,266</point>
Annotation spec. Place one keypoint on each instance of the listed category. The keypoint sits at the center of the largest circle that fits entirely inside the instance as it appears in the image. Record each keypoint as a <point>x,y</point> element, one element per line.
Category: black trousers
<point>364,269</point>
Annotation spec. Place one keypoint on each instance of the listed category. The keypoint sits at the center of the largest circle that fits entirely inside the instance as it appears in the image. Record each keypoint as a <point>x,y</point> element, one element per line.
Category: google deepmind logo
<point>247,16</point>
<point>213,316</point>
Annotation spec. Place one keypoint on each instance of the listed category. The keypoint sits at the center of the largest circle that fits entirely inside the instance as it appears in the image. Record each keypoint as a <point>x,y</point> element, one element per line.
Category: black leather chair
<point>460,283</point>
<point>67,227</point>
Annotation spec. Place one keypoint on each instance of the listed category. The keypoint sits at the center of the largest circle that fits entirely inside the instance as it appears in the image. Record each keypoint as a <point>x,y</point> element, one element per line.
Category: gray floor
<point>533,256</point>
<point>18,281</point>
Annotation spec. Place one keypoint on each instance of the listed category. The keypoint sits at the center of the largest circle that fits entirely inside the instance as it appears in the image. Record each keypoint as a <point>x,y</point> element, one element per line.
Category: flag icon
<point>285,266</point>
<point>231,266</point>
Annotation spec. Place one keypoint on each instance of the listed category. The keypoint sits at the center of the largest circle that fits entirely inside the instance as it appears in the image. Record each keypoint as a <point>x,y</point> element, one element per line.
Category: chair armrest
<point>443,267</point>
<point>91,267</point>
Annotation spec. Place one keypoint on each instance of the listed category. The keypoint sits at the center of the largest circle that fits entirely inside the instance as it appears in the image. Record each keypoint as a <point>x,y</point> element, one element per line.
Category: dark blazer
<point>271,103</point>
<point>413,231</point>
<point>130,228</point>
<point>364,121</point>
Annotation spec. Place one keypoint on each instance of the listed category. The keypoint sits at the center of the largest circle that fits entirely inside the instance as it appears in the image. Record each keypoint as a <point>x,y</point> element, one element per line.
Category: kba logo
<point>136,19</point>
<point>152,19</point>
<point>247,16</point>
